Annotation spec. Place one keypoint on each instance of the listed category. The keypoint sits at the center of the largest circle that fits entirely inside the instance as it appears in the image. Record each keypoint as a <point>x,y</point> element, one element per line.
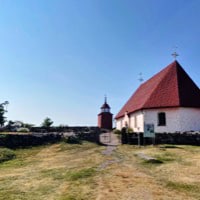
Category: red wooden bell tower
<point>105,116</point>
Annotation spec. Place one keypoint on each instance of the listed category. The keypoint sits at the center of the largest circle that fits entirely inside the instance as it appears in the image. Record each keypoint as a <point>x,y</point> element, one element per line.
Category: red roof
<point>171,87</point>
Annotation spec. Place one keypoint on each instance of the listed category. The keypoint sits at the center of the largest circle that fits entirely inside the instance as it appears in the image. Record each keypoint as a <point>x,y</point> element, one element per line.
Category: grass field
<point>81,172</point>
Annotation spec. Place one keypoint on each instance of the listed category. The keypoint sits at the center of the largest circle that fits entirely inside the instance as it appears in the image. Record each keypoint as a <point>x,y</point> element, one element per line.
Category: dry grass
<point>16,133</point>
<point>72,172</point>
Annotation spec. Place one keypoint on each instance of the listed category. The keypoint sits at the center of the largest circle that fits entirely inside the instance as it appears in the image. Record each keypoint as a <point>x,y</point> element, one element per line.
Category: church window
<point>161,119</point>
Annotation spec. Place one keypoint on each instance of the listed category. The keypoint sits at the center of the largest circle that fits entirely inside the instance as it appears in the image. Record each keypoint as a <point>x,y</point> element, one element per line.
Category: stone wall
<point>42,136</point>
<point>26,140</point>
<point>187,138</point>
<point>64,129</point>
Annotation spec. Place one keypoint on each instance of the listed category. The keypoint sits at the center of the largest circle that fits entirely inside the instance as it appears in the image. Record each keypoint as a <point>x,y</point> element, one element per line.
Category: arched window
<point>161,119</point>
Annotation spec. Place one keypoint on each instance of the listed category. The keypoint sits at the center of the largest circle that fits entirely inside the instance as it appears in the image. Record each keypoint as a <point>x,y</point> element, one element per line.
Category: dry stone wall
<point>186,138</point>
<point>40,136</point>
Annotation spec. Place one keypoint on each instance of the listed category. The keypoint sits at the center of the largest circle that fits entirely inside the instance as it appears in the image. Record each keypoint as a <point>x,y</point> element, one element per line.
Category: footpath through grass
<point>72,172</point>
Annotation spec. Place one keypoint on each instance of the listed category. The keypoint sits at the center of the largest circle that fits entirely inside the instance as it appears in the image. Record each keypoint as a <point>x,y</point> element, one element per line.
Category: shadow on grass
<point>167,146</point>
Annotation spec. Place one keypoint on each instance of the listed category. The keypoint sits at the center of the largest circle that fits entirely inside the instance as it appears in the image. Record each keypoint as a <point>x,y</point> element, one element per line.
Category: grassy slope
<point>66,172</point>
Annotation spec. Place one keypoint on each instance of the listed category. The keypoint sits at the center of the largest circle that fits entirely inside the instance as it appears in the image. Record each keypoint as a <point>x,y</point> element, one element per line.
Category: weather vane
<point>140,77</point>
<point>175,53</point>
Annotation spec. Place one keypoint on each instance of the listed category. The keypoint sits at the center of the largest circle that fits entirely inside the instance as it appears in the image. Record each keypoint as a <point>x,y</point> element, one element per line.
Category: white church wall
<point>190,119</point>
<point>122,122</point>
<point>134,121</point>
<point>177,119</point>
<point>172,119</point>
<point>119,123</point>
<point>137,121</point>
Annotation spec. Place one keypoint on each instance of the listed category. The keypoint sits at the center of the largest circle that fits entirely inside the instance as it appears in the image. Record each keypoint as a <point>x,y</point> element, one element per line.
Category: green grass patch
<point>12,194</point>
<point>20,158</point>
<point>81,174</point>
<point>56,174</point>
<point>6,154</point>
<point>83,146</point>
<point>166,157</point>
<point>184,187</point>
<point>59,174</point>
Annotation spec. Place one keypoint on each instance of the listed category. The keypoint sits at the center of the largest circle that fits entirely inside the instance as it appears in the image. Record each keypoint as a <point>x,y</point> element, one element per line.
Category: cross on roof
<point>175,54</point>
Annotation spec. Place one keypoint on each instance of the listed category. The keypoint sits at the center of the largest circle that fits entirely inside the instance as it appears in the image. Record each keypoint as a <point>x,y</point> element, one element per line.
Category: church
<point>170,100</point>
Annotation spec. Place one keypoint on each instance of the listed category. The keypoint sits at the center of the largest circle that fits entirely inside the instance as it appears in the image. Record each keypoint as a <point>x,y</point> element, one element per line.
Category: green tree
<point>27,125</point>
<point>3,110</point>
<point>47,122</point>
<point>10,124</point>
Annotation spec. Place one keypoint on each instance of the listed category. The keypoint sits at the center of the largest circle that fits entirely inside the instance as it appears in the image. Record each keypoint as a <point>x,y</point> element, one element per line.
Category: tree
<point>3,110</point>
<point>47,122</point>
<point>10,124</point>
<point>27,125</point>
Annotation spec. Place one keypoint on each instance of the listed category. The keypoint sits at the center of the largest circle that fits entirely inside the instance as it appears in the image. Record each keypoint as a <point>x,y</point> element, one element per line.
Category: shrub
<point>130,130</point>
<point>73,140</point>
<point>116,131</point>
<point>23,130</point>
<point>6,154</point>
<point>125,130</point>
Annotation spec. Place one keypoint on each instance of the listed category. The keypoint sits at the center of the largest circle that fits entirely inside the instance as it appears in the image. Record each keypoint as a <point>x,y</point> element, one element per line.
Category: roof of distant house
<point>171,87</point>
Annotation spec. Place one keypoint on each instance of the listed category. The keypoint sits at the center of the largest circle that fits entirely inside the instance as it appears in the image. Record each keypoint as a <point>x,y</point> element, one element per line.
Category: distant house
<point>170,100</point>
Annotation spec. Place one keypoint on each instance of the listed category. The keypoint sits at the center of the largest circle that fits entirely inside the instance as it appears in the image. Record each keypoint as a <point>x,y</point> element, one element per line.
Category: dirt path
<point>109,139</point>
<point>123,179</point>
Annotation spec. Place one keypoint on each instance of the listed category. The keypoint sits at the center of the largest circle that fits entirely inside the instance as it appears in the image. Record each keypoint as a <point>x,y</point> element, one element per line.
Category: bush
<point>130,130</point>
<point>6,154</point>
<point>73,140</point>
<point>116,131</point>
<point>23,130</point>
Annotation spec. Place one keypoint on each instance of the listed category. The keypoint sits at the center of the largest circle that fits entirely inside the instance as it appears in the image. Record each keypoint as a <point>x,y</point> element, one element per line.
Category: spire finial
<point>175,53</point>
<point>105,98</point>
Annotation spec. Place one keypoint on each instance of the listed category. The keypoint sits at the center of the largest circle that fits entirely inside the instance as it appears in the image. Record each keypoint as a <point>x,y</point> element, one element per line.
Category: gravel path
<point>111,141</point>
<point>109,149</point>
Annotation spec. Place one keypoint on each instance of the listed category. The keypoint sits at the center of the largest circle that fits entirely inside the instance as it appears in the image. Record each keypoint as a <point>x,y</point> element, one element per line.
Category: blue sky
<point>58,58</point>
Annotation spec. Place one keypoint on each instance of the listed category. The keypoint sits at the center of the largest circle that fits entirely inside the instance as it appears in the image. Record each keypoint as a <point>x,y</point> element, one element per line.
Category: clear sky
<point>58,58</point>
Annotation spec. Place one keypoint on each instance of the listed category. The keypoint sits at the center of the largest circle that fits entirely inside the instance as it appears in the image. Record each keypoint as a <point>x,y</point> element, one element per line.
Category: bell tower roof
<point>105,105</point>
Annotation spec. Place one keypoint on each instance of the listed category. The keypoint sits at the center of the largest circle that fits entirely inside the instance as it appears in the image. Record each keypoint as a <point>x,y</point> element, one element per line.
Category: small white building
<point>170,100</point>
